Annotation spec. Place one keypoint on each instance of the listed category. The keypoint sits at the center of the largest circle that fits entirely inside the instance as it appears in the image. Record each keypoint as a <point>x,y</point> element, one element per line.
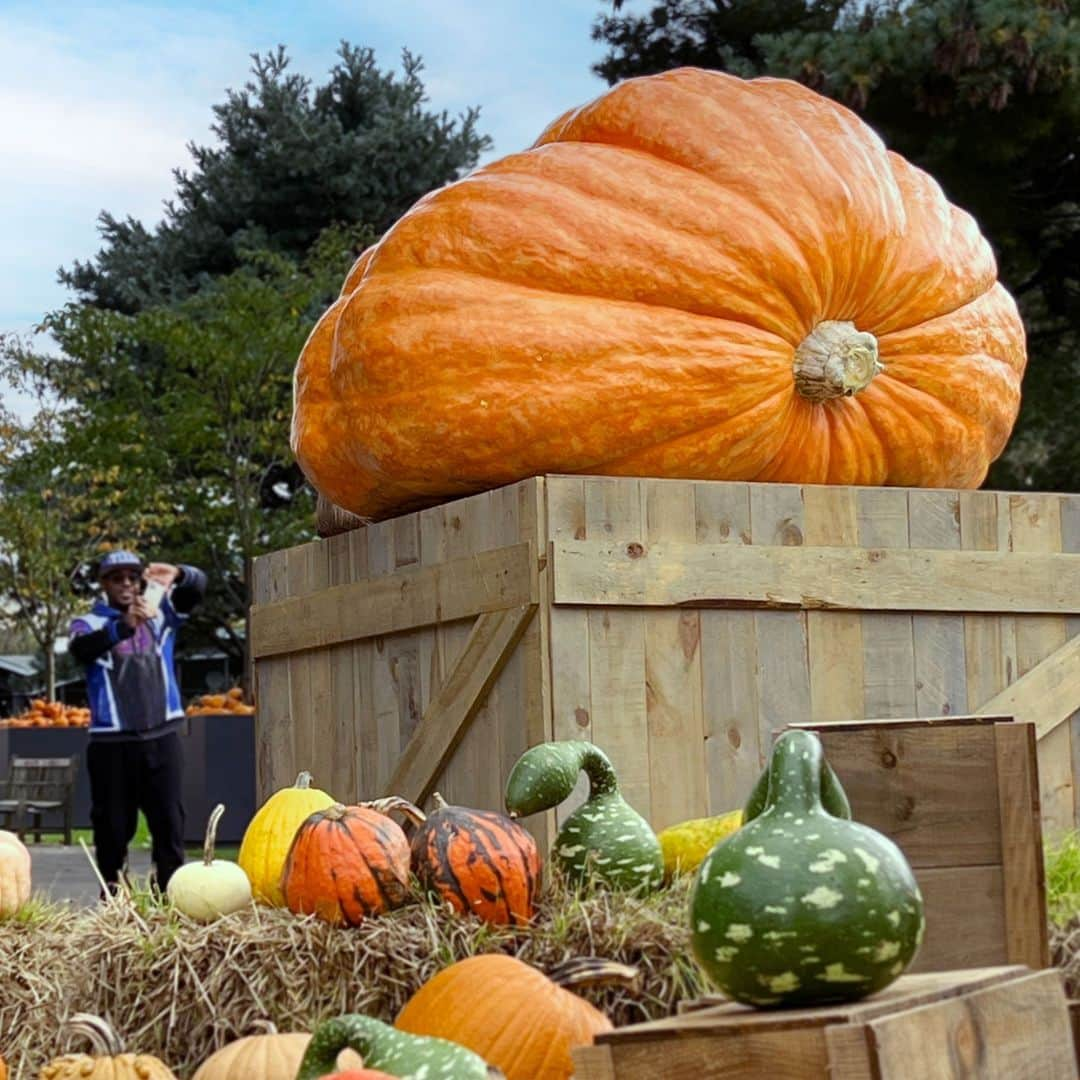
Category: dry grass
<point>179,990</point>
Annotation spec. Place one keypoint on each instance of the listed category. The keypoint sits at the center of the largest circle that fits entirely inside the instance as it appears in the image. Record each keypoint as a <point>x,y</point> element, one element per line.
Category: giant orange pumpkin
<point>693,275</point>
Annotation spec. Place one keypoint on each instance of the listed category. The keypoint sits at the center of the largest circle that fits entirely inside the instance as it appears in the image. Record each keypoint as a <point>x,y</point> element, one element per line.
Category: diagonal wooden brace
<point>494,637</point>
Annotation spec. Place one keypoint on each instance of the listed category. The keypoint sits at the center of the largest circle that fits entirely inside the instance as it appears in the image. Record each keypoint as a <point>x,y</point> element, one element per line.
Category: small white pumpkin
<point>206,890</point>
<point>14,874</point>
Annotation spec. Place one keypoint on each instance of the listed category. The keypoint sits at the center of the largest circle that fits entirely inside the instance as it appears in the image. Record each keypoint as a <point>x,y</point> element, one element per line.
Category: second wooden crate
<point>990,1024</point>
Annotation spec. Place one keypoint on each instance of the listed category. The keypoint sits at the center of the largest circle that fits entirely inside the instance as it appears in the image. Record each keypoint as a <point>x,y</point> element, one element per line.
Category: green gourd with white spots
<point>803,906</point>
<point>605,837</point>
<point>410,1057</point>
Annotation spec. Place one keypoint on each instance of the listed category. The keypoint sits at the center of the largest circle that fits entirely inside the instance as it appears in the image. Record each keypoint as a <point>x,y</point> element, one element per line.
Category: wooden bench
<point>35,788</point>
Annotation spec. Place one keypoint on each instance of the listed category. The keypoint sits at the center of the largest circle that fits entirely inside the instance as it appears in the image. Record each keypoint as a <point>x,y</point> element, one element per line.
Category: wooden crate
<point>959,795</point>
<point>674,623</point>
<point>1005,1023</point>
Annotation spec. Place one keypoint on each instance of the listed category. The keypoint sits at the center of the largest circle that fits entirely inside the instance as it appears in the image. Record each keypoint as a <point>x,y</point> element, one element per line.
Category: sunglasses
<point>123,575</point>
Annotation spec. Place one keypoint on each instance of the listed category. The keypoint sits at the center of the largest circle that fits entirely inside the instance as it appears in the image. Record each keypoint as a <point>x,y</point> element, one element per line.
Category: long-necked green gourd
<point>803,906</point>
<point>605,837</point>
<point>410,1057</point>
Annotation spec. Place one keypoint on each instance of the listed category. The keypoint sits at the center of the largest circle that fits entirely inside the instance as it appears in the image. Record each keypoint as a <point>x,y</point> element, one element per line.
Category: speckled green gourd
<point>410,1057</point>
<point>605,837</point>
<point>803,906</point>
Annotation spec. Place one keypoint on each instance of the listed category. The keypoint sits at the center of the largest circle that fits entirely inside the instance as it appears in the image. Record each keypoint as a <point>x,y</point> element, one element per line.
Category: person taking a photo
<point>134,758</point>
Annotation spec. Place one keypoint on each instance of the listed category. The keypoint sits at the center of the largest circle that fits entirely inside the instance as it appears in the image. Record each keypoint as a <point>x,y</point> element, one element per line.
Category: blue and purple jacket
<point>130,673</point>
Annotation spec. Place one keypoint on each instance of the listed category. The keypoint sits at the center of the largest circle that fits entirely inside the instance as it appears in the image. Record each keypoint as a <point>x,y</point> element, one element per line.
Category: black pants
<point>126,777</point>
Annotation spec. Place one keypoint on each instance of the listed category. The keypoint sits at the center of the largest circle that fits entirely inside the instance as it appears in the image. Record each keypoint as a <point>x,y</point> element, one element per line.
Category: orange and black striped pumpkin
<point>346,863</point>
<point>478,861</point>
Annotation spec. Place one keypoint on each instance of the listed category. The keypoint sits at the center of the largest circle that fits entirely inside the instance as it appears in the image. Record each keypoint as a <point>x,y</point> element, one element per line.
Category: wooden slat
<point>344,780</point>
<point>301,583</point>
<point>930,788</point>
<point>274,763</point>
<point>671,574</point>
<point>729,660</point>
<point>940,682</point>
<point>673,674</point>
<point>850,1052</point>
<point>1047,695</point>
<point>888,641</point>
<point>593,1063</point>
<point>989,665</point>
<point>363,682</point>
<point>834,638</point>
<point>1035,529</point>
<point>418,596</point>
<point>783,673</point>
<point>1019,1029</point>
<point>1027,938</point>
<point>384,743</point>
<point>443,726</point>
<point>613,507</point>
<point>965,924</point>
<point>571,693</point>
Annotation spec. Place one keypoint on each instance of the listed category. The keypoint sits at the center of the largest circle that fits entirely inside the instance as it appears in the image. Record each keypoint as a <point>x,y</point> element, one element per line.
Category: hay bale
<point>180,990</point>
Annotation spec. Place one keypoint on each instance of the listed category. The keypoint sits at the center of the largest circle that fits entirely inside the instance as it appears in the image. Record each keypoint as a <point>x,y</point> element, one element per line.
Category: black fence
<point>219,766</point>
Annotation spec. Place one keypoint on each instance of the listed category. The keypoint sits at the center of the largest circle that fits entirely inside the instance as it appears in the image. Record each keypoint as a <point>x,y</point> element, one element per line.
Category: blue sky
<point>98,101</point>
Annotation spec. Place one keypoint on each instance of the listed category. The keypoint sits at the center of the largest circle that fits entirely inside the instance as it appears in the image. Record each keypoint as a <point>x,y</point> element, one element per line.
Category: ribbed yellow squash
<point>270,834</point>
<point>685,845</point>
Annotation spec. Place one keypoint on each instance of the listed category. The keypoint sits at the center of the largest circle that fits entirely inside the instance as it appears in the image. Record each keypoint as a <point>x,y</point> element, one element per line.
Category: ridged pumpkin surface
<point>479,862</point>
<point>632,296</point>
<point>346,863</point>
<point>509,1013</point>
<point>269,1057</point>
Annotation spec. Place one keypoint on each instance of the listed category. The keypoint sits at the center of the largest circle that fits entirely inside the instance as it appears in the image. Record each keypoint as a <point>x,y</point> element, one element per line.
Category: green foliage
<point>196,419</point>
<point>1063,878</point>
<point>983,94</point>
<point>290,161</point>
<point>62,509</point>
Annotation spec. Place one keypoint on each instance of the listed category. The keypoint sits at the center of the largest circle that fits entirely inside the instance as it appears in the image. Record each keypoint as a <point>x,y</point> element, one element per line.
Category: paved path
<point>64,873</point>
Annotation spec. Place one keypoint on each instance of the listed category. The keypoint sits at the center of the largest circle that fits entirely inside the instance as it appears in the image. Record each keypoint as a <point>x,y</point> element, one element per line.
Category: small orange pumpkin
<point>650,290</point>
<point>515,1017</point>
<point>478,861</point>
<point>345,864</point>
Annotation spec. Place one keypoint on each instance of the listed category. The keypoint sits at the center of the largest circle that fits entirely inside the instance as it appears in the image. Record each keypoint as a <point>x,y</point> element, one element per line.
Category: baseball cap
<point>117,559</point>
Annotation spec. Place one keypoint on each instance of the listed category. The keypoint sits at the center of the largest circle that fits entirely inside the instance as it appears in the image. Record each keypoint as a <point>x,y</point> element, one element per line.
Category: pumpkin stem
<point>303,780</point>
<point>98,1032</point>
<point>267,1027</point>
<point>592,971</point>
<point>402,806</point>
<point>835,360</point>
<point>211,834</point>
<point>333,813</point>
<point>439,801</point>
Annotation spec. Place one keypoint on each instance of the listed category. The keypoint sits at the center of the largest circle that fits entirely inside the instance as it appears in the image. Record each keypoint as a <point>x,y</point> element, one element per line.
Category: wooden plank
<point>363,682</point>
<point>965,917</point>
<point>887,639</point>
<point>405,648</point>
<point>571,689</point>
<point>1035,529</point>
<point>613,508</point>
<point>433,649</point>
<point>386,734</point>
<point>940,680</point>
<point>834,638</point>
<point>274,763</point>
<point>323,751</point>
<point>1027,939</point>
<point>343,780</point>
<point>729,660</point>
<point>986,659</point>
<point>1048,695</point>
<point>932,788</point>
<point>492,638</point>
<point>413,597</point>
<point>593,1063</point>
<point>1070,542</point>
<point>907,992</point>
<point>783,672</point>
<point>1018,1029</point>
<point>630,573</point>
<point>850,1053</point>
<point>673,706</point>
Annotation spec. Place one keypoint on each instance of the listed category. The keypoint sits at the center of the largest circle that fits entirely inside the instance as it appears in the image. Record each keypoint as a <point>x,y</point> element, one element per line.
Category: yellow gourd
<point>685,845</point>
<point>270,834</point>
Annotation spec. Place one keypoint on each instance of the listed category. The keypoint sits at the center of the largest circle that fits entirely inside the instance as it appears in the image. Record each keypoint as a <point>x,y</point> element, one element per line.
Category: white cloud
<point>98,102</point>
